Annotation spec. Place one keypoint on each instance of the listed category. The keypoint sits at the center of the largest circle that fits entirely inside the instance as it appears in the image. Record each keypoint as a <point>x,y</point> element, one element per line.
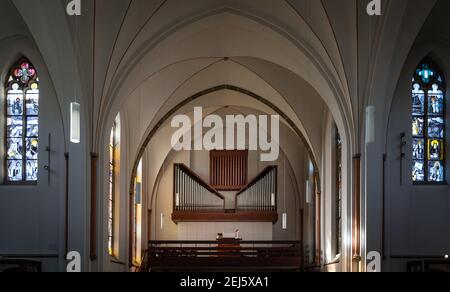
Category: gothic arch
<point>208,91</point>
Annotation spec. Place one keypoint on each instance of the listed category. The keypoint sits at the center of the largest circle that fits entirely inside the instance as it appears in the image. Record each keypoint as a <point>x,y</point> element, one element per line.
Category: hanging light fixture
<point>75,107</point>
<point>284,227</point>
<point>308,192</point>
<point>370,124</point>
<point>75,122</point>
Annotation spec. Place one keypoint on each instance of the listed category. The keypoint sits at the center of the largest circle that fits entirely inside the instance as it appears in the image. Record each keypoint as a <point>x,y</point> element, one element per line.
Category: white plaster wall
<point>417,216</point>
<point>32,217</point>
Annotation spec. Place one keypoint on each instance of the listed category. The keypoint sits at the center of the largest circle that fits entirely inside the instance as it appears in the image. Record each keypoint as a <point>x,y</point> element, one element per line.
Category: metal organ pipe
<point>192,195</point>
<point>260,199</point>
<point>184,186</point>
<point>267,183</point>
<point>265,197</point>
<point>267,193</point>
<point>261,195</point>
<point>179,190</point>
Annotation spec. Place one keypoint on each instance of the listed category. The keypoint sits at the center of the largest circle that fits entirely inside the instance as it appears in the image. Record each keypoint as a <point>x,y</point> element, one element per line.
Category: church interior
<point>120,154</point>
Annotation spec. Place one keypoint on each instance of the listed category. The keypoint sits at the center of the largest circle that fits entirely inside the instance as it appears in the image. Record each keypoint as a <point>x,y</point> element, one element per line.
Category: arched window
<point>137,217</point>
<point>428,124</point>
<point>22,124</point>
<point>338,145</point>
<point>114,149</point>
<point>112,182</point>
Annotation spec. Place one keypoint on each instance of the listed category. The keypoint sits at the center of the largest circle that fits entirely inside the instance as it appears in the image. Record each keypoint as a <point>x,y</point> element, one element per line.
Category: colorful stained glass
<point>32,148</point>
<point>425,73</point>
<point>417,126</point>
<point>435,101</point>
<point>112,179</point>
<point>418,171</point>
<point>32,170</point>
<point>436,171</point>
<point>14,127</point>
<point>14,170</point>
<point>14,148</point>
<point>33,127</point>
<point>22,123</point>
<point>25,72</point>
<point>428,104</point>
<point>436,105</point>
<point>436,127</point>
<point>14,101</point>
<point>435,149</point>
<point>418,149</point>
<point>32,100</point>
<point>418,100</point>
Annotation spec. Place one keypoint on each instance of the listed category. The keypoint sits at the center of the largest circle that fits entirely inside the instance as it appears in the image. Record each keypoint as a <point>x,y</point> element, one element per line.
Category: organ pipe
<point>260,195</point>
<point>191,195</point>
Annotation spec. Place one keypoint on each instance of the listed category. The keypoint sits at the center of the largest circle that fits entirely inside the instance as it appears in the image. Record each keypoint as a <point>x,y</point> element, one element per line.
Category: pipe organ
<point>260,194</point>
<point>194,195</point>
<point>194,200</point>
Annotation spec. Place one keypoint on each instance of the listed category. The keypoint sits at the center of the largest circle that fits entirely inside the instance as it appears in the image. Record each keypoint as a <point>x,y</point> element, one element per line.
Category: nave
<point>224,135</point>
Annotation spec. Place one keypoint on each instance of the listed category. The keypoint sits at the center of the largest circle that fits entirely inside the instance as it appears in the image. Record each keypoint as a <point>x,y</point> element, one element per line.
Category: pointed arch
<point>114,169</point>
<point>22,124</point>
<point>428,123</point>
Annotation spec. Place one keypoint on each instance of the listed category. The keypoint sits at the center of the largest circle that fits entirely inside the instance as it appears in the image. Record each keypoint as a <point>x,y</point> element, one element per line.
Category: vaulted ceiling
<point>332,45</point>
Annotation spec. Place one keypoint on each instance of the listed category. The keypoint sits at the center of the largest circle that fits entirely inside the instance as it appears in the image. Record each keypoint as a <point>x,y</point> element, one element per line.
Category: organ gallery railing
<point>192,194</point>
<point>260,194</point>
<point>207,255</point>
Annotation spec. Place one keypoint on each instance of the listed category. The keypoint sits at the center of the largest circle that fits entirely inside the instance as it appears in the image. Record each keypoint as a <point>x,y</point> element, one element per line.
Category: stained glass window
<point>111,189</point>
<point>428,124</point>
<point>22,124</point>
<point>338,192</point>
